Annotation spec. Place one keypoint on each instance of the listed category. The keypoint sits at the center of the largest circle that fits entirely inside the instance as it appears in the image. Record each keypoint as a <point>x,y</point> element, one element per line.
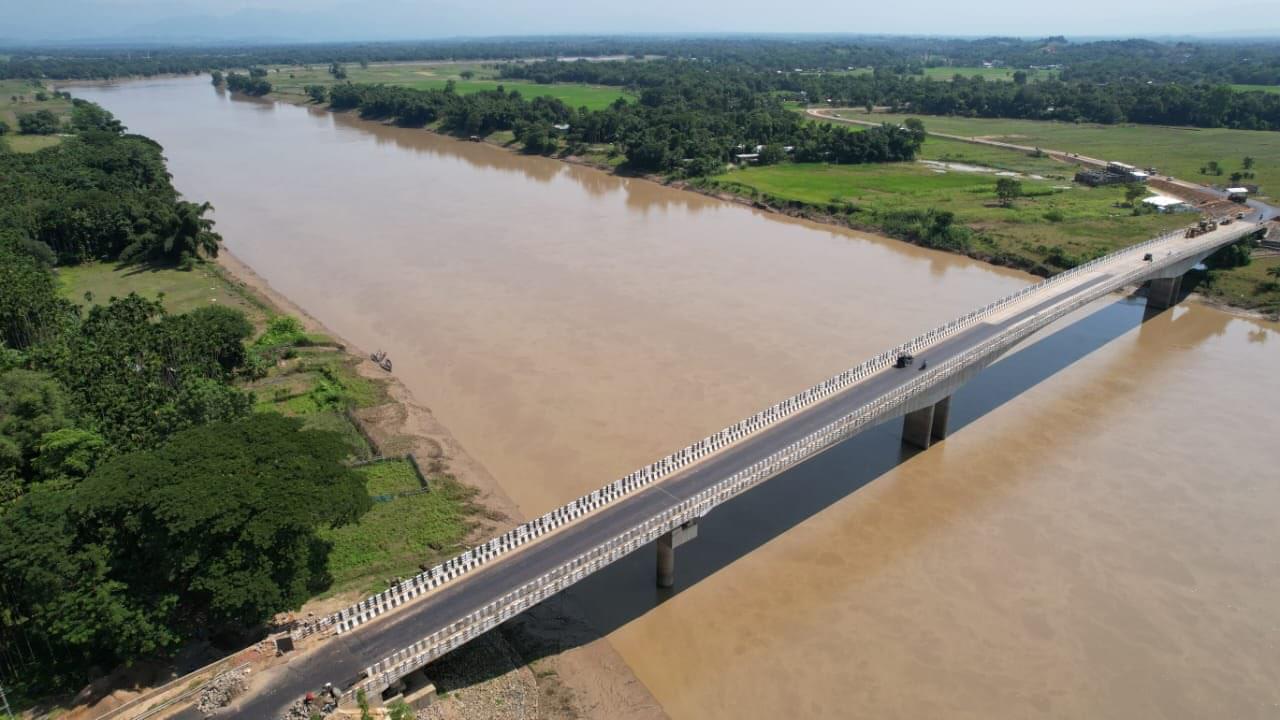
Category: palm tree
<point>188,232</point>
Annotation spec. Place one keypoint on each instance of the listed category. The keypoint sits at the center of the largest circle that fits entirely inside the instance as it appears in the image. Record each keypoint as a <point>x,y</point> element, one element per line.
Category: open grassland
<point>986,73</point>
<point>958,151</point>
<point>1048,226</point>
<point>1251,286</point>
<point>1174,151</point>
<point>1257,88</point>
<point>401,531</point>
<point>18,97</point>
<point>290,80</point>
<point>179,290</point>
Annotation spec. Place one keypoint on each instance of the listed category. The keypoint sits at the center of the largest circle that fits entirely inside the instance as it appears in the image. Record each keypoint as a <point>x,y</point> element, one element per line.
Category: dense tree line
<point>248,84</point>
<point>142,503</point>
<point>101,195</point>
<point>1126,101</point>
<point>1131,100</point>
<point>690,124</point>
<point>1104,81</point>
<point>1254,62</point>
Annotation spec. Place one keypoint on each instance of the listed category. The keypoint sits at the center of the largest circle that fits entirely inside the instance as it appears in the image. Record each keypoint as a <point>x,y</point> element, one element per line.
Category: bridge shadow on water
<point>626,590</point>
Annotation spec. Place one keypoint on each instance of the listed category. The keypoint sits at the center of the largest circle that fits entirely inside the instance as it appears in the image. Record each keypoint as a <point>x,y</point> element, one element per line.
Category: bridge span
<point>375,643</point>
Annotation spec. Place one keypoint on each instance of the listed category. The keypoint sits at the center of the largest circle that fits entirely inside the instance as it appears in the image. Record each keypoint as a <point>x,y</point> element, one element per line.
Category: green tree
<point>61,604</point>
<point>31,310</point>
<point>4,127</point>
<point>1274,272</point>
<point>69,454</point>
<point>216,77</point>
<point>87,116</point>
<point>1132,192</point>
<point>1020,77</point>
<point>32,405</point>
<point>138,558</point>
<point>40,122</point>
<point>230,540</point>
<point>772,154</point>
<point>1008,190</point>
<point>136,374</point>
<point>181,235</point>
<point>317,93</point>
<point>1247,163</point>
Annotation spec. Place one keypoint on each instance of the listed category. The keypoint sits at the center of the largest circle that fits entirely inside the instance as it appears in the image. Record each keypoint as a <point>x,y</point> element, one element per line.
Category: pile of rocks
<point>220,691</point>
<point>482,681</point>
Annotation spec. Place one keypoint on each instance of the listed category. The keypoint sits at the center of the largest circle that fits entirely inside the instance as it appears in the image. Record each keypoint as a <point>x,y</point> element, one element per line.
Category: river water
<point>1097,538</point>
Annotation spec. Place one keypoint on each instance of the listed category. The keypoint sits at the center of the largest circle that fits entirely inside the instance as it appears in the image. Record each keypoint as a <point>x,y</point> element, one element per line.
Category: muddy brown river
<point>1099,537</point>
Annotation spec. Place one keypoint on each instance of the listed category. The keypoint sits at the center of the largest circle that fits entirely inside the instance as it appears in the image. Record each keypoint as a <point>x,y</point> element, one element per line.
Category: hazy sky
<point>46,20</point>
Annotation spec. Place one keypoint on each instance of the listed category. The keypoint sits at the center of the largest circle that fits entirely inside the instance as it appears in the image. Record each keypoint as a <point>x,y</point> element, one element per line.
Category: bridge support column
<point>921,427</point>
<point>667,544</point>
<point>1163,293</point>
<point>666,561</point>
<point>941,414</point>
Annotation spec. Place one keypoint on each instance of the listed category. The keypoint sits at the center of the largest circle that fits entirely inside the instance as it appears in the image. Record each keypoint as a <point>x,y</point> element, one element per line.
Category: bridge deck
<point>338,660</point>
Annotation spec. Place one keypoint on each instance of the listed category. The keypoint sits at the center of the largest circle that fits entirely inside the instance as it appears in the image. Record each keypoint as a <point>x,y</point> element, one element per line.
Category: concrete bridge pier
<point>921,427</point>
<point>667,544</point>
<point>1163,293</point>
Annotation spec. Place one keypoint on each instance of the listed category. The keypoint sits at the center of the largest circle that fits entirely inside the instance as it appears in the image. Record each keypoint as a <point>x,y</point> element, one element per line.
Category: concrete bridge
<point>387,637</point>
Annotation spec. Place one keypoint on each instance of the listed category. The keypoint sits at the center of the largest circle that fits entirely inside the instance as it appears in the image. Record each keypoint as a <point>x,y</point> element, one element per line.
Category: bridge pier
<point>1163,293</point>
<point>921,427</point>
<point>667,544</point>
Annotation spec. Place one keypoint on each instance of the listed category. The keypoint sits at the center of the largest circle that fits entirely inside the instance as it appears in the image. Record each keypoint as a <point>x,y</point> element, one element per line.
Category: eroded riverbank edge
<point>574,672</point>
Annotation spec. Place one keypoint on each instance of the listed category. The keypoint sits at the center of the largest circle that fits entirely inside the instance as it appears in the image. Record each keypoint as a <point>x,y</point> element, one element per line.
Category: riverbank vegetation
<point>126,355</point>
<point>1050,227</point>
<point>1179,151</point>
<point>31,115</point>
<point>295,81</point>
<point>691,126</point>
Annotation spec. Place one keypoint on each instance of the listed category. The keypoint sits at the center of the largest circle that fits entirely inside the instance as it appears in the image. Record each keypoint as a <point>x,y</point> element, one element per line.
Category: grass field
<point>1172,150</point>
<point>398,534</point>
<point>995,73</point>
<point>1079,222</point>
<point>957,151</point>
<point>289,80</point>
<point>1249,286</point>
<point>180,290</point>
<point>1257,88</point>
<point>18,97</point>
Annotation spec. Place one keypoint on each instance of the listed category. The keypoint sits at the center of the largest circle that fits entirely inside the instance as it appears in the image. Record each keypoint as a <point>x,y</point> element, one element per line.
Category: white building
<point>1166,204</point>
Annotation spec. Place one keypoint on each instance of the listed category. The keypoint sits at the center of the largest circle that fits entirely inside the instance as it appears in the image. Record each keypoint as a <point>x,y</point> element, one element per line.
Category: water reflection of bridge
<point>386,637</point>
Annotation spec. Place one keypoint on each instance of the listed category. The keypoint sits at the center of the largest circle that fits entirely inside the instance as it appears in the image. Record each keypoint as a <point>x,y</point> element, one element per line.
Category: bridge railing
<point>481,555</point>
<point>385,672</point>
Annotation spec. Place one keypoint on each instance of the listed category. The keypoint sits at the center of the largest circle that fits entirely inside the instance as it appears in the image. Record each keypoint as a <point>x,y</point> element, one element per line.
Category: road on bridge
<point>340,659</point>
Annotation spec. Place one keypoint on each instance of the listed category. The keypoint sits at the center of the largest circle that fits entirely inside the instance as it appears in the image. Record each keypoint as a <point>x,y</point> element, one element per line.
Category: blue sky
<point>54,20</point>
